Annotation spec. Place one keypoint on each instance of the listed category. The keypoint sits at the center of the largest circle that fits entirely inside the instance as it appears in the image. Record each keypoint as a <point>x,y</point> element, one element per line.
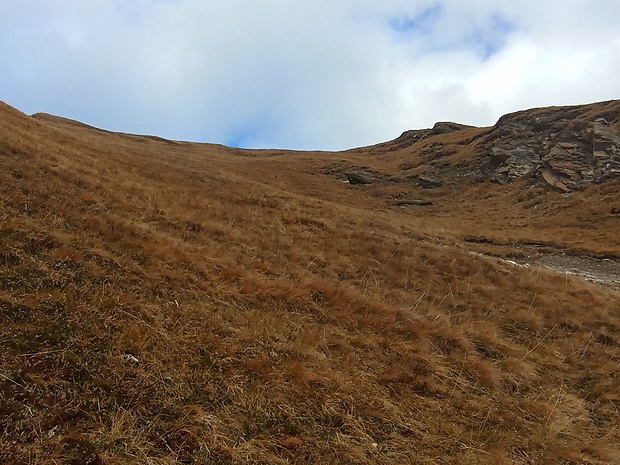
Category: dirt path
<point>600,269</point>
<point>605,271</point>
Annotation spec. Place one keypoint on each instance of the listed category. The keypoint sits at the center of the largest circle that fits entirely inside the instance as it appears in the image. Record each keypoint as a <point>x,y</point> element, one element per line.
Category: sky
<point>320,75</point>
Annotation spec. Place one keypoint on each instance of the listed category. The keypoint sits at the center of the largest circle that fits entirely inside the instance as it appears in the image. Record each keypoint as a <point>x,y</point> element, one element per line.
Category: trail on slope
<point>602,269</point>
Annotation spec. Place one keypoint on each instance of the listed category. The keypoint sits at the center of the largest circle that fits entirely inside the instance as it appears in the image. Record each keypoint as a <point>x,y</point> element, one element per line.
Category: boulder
<point>359,177</point>
<point>428,182</point>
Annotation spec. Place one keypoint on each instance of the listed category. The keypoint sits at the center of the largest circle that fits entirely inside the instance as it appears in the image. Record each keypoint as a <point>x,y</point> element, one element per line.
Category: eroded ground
<point>603,269</point>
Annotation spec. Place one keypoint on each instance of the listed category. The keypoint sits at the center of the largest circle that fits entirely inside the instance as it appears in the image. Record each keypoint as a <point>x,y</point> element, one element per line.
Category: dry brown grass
<point>166,302</point>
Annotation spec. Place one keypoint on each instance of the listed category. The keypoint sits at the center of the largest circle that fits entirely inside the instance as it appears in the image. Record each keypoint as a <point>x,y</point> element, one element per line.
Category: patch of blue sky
<point>484,38</point>
<point>423,22</point>
<point>488,40</point>
<point>245,136</point>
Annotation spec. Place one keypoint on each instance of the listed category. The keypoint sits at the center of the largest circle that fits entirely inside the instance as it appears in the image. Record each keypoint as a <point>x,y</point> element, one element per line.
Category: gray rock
<point>359,177</point>
<point>445,127</point>
<point>554,146</point>
<point>428,182</point>
<point>412,202</point>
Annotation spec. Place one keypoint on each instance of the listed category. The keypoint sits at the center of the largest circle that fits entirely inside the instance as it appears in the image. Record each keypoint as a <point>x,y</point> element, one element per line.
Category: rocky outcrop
<point>408,138</point>
<point>446,127</point>
<point>358,175</point>
<point>411,137</point>
<point>563,148</point>
<point>558,146</point>
<point>428,182</point>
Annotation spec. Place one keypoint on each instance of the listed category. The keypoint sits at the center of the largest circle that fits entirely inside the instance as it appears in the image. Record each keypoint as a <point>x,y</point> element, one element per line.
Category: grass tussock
<point>161,302</point>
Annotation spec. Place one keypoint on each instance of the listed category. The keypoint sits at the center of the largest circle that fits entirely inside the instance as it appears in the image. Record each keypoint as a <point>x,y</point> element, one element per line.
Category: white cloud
<point>326,75</point>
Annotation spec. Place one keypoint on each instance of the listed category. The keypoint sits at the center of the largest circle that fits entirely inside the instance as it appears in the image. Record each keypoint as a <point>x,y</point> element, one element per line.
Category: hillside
<point>167,302</point>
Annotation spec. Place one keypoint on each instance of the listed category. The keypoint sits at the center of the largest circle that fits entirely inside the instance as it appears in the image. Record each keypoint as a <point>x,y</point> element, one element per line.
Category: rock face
<point>564,148</point>
<point>557,145</point>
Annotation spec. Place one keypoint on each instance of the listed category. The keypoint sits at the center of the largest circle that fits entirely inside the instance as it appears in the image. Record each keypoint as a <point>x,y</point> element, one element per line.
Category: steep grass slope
<point>165,302</point>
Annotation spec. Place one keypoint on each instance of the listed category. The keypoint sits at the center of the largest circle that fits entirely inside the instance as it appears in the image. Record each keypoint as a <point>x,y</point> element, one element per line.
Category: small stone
<point>130,358</point>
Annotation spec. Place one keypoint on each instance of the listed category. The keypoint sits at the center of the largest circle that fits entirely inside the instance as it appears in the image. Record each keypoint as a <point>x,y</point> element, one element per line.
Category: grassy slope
<point>278,315</point>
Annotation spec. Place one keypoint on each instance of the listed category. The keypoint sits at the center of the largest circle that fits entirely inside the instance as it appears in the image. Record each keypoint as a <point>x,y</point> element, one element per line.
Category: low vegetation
<point>165,302</point>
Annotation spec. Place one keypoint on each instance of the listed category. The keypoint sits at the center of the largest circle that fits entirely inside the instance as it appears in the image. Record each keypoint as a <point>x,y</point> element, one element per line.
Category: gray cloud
<point>326,75</point>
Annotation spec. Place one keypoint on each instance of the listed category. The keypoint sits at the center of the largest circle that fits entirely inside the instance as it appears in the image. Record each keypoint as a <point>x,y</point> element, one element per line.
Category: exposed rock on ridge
<point>560,146</point>
<point>408,138</point>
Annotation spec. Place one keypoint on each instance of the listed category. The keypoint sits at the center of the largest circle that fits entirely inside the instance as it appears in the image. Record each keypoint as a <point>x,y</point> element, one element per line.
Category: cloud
<point>326,75</point>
